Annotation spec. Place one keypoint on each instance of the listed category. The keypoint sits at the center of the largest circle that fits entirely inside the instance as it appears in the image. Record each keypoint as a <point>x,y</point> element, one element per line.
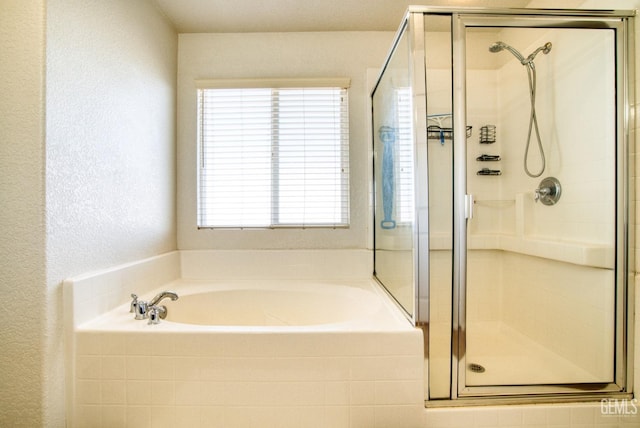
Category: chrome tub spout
<point>161,296</point>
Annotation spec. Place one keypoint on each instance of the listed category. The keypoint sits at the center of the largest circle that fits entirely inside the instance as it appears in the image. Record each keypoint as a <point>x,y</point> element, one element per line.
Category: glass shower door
<point>501,198</point>
<point>543,209</point>
<point>393,154</point>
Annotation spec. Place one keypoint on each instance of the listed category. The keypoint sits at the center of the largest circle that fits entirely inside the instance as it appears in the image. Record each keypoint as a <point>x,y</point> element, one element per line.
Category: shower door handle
<point>468,206</point>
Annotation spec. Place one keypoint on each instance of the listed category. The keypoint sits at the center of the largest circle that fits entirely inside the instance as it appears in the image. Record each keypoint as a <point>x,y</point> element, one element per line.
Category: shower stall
<point>502,207</point>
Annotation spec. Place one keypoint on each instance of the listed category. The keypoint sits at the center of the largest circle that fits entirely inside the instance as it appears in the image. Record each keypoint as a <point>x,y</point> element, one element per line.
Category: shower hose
<point>533,123</point>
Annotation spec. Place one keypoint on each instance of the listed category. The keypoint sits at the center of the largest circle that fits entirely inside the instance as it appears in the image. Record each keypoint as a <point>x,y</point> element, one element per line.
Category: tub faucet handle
<point>140,309</point>
<point>134,303</point>
<point>154,316</point>
<point>156,313</point>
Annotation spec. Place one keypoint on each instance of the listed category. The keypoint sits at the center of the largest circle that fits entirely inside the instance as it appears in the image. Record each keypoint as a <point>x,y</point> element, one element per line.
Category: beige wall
<point>22,217</point>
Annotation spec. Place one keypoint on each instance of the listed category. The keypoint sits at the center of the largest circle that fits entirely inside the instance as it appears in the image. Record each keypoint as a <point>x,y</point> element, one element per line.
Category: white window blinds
<point>405,156</point>
<point>273,156</point>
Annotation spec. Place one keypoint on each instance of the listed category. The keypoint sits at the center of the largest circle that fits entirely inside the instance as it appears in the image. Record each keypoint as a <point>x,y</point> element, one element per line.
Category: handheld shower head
<point>499,46</point>
<point>496,47</point>
<point>531,74</point>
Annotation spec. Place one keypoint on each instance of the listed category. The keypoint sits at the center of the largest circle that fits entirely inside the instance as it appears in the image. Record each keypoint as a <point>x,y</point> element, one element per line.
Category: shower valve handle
<point>548,192</point>
<point>541,192</point>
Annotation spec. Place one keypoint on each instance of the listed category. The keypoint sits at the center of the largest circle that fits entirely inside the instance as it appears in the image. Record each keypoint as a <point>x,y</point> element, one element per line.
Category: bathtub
<point>272,305</point>
<point>252,353</point>
<point>265,305</point>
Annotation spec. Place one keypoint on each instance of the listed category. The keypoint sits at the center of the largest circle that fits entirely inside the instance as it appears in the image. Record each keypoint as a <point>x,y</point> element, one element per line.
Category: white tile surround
<point>255,380</point>
<point>316,378</point>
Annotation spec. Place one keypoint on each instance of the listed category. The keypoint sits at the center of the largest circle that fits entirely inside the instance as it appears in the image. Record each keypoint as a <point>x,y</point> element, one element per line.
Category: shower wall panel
<point>563,308</point>
<point>566,308</point>
<point>574,106</point>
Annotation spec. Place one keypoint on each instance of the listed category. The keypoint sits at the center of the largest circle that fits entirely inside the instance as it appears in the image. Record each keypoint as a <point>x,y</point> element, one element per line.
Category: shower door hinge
<point>468,206</point>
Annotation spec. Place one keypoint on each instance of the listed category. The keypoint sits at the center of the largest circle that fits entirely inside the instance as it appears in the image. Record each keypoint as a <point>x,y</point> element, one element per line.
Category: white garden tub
<point>251,353</point>
<point>267,305</point>
<point>275,304</point>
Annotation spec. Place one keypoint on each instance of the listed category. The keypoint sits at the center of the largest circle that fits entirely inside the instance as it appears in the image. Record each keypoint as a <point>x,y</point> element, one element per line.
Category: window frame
<point>343,150</point>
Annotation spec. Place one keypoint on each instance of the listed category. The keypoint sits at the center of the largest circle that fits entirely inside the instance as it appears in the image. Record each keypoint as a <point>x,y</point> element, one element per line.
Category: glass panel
<point>440,172</point>
<point>540,292</point>
<point>393,176</point>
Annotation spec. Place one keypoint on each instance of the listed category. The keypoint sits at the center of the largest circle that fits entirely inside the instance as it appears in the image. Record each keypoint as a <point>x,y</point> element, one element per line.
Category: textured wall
<point>22,256</point>
<point>110,133</point>
<point>110,193</point>
<point>111,70</point>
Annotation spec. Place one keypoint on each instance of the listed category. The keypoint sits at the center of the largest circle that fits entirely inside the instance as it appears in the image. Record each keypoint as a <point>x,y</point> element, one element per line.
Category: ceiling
<point>244,16</point>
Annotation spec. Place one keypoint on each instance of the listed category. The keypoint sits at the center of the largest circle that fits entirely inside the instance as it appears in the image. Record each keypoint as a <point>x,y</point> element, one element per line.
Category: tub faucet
<point>151,310</point>
<point>165,294</point>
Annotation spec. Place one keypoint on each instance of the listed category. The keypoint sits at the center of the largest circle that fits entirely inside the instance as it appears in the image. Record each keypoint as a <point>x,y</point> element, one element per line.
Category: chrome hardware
<point>165,294</point>
<point>548,191</point>
<point>150,310</point>
<point>141,310</point>
<point>134,303</point>
<point>157,313</point>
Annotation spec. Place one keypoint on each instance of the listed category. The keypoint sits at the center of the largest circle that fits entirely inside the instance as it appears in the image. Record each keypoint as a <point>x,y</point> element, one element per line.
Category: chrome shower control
<point>548,191</point>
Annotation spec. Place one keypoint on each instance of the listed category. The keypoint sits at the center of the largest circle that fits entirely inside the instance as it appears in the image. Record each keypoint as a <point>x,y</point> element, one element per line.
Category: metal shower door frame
<point>618,21</point>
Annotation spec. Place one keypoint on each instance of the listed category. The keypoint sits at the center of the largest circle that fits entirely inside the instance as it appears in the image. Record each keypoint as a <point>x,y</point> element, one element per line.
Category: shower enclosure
<point>501,203</point>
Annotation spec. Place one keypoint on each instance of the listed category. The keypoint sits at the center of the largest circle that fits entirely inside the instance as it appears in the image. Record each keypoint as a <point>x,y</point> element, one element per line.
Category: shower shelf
<point>487,134</point>
<point>488,158</point>
<point>487,171</point>
<point>435,132</point>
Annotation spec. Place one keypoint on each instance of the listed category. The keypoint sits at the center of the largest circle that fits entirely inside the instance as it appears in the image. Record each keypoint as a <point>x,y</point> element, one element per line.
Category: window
<point>275,156</point>
<point>405,156</point>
